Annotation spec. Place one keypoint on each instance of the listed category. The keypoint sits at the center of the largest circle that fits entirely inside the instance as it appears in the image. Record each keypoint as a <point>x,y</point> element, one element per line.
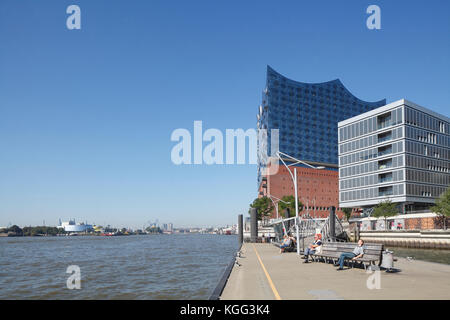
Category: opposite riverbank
<point>265,274</point>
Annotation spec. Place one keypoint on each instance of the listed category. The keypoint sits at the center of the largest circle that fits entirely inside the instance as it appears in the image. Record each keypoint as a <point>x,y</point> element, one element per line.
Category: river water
<point>178,266</point>
<point>431,255</point>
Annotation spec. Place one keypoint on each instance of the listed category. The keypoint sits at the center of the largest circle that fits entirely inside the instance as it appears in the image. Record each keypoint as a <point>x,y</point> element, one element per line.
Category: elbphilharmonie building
<point>307,116</point>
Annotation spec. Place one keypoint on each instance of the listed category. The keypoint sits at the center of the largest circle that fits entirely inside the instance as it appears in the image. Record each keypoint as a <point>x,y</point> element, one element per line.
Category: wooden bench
<point>331,251</point>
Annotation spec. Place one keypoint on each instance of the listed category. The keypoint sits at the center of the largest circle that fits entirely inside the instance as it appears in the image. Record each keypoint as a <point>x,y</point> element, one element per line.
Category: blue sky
<point>86,115</point>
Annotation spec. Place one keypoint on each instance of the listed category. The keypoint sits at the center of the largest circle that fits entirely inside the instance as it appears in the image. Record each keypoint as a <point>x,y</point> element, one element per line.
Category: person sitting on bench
<point>358,252</point>
<point>312,247</point>
<point>287,241</point>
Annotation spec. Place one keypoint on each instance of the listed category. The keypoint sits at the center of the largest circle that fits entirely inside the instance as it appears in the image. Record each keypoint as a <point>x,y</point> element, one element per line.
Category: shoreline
<point>217,292</point>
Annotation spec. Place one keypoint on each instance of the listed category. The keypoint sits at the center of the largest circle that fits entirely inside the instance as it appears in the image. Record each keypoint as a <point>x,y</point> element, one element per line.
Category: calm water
<point>127,267</point>
<point>432,255</point>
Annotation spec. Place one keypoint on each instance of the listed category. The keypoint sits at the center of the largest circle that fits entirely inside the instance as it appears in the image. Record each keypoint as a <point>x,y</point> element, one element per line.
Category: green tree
<point>264,206</point>
<point>442,207</point>
<point>282,205</point>
<point>153,229</point>
<point>347,213</point>
<point>385,209</point>
<point>15,229</point>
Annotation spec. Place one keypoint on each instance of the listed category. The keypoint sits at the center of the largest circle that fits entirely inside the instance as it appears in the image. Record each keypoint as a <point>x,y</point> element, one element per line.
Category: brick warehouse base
<point>317,189</point>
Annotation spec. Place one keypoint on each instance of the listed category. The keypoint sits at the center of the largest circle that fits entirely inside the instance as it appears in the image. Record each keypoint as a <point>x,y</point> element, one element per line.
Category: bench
<point>331,251</point>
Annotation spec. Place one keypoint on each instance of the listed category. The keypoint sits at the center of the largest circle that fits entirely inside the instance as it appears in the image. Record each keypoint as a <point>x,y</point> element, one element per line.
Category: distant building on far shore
<point>71,226</point>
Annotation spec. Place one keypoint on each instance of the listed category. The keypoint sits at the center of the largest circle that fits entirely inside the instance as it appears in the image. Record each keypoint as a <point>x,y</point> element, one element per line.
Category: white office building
<point>399,152</point>
<point>71,226</point>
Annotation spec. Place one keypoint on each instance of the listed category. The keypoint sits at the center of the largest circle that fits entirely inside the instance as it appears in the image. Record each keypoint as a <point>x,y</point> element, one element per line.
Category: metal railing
<point>307,229</point>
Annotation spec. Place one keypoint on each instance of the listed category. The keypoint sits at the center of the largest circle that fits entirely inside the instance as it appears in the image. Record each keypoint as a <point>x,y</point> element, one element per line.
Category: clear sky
<point>86,115</point>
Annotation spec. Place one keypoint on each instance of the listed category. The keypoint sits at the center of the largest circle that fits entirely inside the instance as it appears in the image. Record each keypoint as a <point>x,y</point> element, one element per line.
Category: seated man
<point>287,241</point>
<point>312,247</point>
<point>358,252</point>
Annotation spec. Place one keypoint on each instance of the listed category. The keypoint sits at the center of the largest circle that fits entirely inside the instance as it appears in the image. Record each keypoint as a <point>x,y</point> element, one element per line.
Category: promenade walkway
<point>265,274</point>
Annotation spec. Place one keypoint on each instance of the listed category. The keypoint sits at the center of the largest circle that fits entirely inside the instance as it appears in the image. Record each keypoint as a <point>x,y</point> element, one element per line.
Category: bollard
<point>253,225</point>
<point>287,213</point>
<point>240,229</point>
<point>333,223</point>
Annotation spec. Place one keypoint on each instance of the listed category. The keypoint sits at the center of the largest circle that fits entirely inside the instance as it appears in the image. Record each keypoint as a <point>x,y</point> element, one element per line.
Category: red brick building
<point>317,189</point>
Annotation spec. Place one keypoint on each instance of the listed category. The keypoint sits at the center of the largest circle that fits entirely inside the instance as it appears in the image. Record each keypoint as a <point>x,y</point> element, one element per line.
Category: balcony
<point>385,136</point>
<point>385,177</point>
<point>385,191</point>
<point>384,124</point>
<point>385,150</point>
<point>384,121</point>
<point>385,180</point>
<point>384,164</point>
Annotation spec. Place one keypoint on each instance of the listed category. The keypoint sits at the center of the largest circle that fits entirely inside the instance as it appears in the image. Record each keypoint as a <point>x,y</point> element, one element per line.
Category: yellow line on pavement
<point>272,286</point>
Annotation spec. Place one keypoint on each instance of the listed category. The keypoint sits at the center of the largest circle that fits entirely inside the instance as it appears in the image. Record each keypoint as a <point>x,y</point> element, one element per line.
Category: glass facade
<point>307,115</point>
<point>400,151</point>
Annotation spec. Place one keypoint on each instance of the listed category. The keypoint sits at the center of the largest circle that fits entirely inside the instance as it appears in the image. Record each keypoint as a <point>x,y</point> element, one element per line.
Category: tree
<point>153,229</point>
<point>263,205</point>
<point>442,207</point>
<point>16,230</point>
<point>282,205</point>
<point>385,209</point>
<point>347,212</point>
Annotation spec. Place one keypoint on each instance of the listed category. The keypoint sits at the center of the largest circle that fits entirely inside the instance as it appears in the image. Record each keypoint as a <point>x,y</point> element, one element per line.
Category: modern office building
<point>306,115</point>
<point>399,152</point>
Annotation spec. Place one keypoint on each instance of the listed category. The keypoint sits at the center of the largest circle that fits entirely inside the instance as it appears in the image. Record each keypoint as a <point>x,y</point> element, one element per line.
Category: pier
<point>265,274</point>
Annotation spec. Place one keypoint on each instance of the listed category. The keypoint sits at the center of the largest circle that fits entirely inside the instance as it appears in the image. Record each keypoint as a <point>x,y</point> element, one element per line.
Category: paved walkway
<point>265,274</point>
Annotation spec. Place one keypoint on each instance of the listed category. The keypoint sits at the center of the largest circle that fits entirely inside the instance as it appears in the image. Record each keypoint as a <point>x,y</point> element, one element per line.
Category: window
<point>384,120</point>
<point>385,191</point>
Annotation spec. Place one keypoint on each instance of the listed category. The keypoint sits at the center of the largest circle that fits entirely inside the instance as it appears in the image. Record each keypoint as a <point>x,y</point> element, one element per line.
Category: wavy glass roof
<point>307,115</point>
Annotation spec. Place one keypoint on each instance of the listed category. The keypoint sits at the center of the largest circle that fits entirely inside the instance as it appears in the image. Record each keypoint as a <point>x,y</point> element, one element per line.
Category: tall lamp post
<point>275,204</point>
<point>295,161</point>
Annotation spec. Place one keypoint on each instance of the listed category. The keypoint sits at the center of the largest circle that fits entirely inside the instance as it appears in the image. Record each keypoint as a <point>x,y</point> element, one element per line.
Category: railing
<point>384,124</point>
<point>367,212</point>
<point>326,232</point>
<point>383,139</point>
<point>384,152</point>
<point>307,228</point>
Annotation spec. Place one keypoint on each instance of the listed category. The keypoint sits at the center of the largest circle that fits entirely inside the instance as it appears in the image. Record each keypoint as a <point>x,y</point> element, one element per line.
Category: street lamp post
<point>294,180</point>
<point>276,209</point>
